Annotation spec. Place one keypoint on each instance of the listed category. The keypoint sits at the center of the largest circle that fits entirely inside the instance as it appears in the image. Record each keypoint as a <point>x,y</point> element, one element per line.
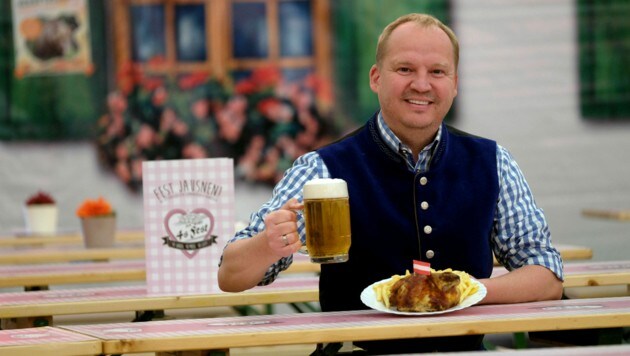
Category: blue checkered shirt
<point>520,236</point>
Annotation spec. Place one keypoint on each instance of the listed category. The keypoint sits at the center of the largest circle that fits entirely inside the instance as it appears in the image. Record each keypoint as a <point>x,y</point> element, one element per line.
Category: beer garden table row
<point>57,254</point>
<point>34,306</point>
<point>311,328</point>
<point>41,275</point>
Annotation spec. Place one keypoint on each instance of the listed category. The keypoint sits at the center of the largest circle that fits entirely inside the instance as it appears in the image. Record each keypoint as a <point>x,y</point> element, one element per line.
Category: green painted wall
<point>51,107</point>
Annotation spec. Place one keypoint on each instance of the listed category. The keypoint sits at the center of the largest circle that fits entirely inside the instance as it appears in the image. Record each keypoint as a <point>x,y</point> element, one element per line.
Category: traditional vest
<point>443,216</point>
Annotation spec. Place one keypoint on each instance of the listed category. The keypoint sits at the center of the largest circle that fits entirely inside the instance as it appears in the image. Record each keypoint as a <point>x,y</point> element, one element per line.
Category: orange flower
<point>91,208</point>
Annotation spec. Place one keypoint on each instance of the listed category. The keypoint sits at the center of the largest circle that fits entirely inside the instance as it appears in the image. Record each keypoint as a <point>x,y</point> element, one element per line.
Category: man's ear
<point>375,76</point>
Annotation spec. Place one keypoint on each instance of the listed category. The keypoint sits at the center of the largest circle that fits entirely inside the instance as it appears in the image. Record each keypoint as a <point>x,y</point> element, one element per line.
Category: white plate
<point>369,298</point>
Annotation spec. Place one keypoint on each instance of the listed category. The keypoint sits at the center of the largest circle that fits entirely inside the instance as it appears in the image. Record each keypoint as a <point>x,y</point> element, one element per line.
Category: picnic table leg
<point>520,340</point>
<point>148,315</point>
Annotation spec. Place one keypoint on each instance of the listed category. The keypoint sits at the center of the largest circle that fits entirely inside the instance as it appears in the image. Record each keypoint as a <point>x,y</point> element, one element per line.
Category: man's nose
<point>421,82</point>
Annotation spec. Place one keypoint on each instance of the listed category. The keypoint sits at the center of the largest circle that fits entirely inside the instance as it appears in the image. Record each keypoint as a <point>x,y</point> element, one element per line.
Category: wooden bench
<point>312,328</point>
<point>38,308</point>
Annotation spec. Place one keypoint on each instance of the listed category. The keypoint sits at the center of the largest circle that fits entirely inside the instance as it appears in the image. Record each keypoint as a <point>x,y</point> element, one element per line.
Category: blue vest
<point>390,228</point>
<point>398,216</point>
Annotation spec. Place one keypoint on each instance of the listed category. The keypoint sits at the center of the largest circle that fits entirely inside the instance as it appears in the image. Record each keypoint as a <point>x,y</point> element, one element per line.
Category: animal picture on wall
<point>51,37</point>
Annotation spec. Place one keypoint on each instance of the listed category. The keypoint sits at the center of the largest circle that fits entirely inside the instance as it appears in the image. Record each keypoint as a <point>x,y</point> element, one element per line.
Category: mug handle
<point>303,250</point>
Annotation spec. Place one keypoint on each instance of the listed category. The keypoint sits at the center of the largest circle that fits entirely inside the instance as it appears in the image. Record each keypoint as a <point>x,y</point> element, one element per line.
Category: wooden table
<point>43,275</point>
<point>574,252</point>
<point>58,254</point>
<point>47,341</point>
<point>111,299</point>
<point>301,263</point>
<point>307,328</point>
<point>602,273</point>
<point>298,289</point>
<point>115,271</point>
<point>607,214</point>
<point>69,238</point>
<point>589,274</point>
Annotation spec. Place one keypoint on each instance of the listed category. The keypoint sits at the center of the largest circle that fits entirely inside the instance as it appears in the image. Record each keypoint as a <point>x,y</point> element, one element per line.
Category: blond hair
<point>423,20</point>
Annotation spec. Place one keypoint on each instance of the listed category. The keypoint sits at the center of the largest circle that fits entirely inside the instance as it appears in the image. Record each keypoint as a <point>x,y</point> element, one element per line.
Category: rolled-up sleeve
<point>305,168</point>
<point>521,233</point>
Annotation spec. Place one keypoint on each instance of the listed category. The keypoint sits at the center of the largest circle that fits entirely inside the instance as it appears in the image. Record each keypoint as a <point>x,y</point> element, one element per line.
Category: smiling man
<point>418,189</point>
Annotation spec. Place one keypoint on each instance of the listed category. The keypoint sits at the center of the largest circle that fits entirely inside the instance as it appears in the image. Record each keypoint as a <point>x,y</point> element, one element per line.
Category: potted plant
<point>41,214</point>
<point>98,222</point>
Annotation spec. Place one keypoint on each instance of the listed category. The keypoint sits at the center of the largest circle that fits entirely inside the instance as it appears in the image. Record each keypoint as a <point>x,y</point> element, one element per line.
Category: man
<point>418,190</point>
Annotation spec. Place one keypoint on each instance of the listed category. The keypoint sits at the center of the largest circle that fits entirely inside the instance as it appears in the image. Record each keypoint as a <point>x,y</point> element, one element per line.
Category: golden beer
<point>327,220</point>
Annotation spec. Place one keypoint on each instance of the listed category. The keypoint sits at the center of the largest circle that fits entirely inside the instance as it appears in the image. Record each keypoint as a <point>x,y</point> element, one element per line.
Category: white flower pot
<point>98,231</point>
<point>41,219</point>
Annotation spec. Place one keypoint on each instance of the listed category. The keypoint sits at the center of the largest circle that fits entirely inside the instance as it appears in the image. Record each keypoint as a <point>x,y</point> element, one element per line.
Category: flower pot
<point>98,231</point>
<point>41,219</point>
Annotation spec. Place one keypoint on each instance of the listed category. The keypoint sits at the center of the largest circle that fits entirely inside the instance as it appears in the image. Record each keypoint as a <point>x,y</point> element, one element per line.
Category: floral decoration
<point>40,198</point>
<point>262,121</point>
<point>95,207</point>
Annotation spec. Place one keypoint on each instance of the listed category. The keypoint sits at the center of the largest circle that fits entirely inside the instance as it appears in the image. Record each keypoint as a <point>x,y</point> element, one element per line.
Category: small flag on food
<point>420,267</point>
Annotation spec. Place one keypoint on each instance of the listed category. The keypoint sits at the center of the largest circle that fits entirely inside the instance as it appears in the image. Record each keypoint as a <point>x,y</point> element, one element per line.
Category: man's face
<point>416,81</point>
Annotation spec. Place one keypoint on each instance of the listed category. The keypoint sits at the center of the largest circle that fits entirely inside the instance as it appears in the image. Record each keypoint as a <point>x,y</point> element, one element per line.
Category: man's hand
<point>281,229</point>
<point>246,261</point>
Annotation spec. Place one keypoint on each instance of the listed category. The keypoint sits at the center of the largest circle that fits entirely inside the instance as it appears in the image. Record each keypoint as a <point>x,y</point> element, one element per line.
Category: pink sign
<point>188,218</point>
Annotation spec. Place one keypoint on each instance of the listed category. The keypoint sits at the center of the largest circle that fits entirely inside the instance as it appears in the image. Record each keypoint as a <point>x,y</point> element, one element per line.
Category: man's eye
<point>437,72</point>
<point>404,70</point>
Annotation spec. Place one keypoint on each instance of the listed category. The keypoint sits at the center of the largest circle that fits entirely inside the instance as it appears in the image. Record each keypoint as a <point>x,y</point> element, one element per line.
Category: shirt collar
<point>396,145</point>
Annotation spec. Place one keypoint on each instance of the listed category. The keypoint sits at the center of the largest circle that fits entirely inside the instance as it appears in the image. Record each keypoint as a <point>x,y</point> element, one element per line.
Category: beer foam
<point>321,188</point>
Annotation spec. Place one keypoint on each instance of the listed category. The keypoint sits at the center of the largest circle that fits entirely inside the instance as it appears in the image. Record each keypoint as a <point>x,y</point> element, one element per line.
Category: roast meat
<point>425,293</point>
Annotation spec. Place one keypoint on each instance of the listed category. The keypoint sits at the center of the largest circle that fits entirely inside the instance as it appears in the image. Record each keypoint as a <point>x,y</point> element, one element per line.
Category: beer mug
<point>327,220</point>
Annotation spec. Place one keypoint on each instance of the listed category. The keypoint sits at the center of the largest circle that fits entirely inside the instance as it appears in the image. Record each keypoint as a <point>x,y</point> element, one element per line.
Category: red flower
<point>267,106</point>
<point>128,77</point>
<point>245,87</point>
<point>40,198</point>
<point>266,76</point>
<point>193,80</point>
<point>150,84</point>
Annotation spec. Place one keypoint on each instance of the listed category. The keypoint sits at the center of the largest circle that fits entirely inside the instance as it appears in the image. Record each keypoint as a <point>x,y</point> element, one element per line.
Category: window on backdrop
<point>231,38</point>
<point>247,79</point>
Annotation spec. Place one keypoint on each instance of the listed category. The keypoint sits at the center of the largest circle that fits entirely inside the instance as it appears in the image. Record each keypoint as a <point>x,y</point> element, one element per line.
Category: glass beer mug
<point>327,220</point>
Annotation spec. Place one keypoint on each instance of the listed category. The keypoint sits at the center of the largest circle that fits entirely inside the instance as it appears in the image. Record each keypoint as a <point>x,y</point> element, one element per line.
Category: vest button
<point>428,229</point>
<point>423,181</point>
<point>424,205</point>
<point>430,254</point>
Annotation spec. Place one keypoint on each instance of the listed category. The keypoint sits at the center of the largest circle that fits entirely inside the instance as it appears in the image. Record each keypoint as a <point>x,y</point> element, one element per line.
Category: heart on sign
<point>188,230</point>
